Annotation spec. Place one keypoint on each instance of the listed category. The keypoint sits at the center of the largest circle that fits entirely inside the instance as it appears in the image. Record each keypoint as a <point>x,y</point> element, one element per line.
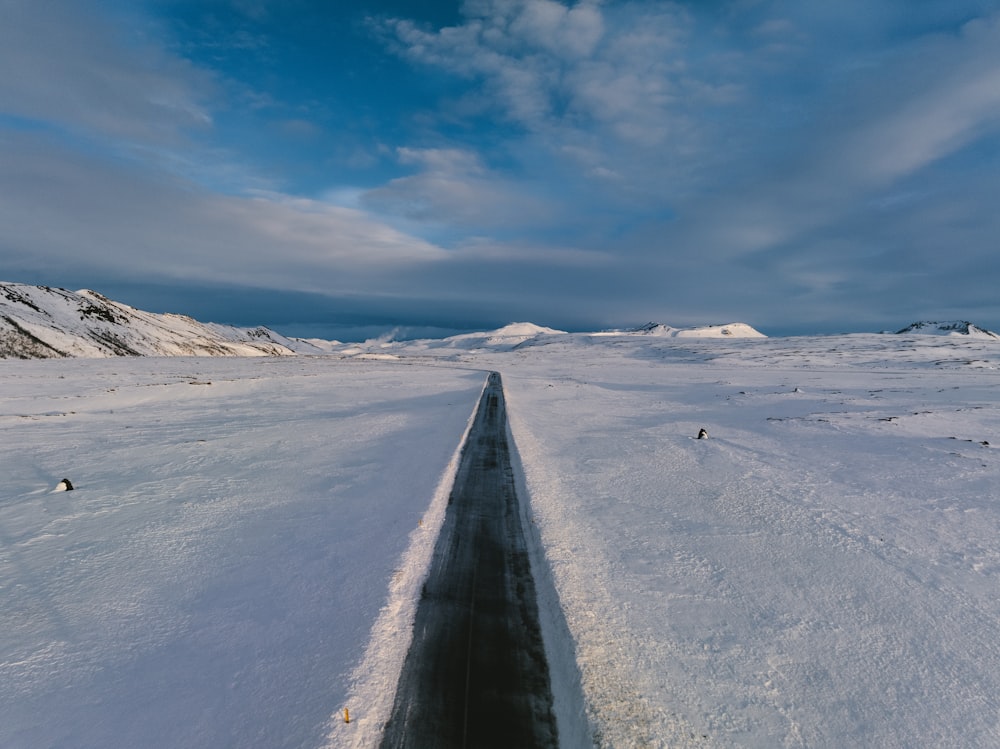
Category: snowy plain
<point>235,565</point>
<point>213,578</point>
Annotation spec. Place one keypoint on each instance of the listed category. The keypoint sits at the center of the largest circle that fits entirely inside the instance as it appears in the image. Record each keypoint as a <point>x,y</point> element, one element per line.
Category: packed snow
<point>238,560</point>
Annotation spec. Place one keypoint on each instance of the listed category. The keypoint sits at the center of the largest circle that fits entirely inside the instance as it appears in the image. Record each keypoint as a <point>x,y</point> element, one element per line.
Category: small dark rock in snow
<point>65,485</point>
<point>702,434</point>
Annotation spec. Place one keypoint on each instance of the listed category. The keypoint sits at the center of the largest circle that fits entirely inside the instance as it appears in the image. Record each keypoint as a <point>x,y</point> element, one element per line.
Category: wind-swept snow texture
<point>824,571</point>
<point>234,530</point>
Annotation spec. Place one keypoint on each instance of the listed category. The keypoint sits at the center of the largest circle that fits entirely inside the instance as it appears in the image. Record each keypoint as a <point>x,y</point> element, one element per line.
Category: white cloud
<point>60,209</point>
<point>605,101</point>
<point>443,160</point>
<point>454,188</point>
<point>935,97</point>
<point>569,33</point>
<point>61,62</point>
<point>955,100</point>
<point>551,66</point>
<point>528,255</point>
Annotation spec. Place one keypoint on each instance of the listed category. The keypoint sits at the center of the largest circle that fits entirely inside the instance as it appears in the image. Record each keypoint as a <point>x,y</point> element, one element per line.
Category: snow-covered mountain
<point>952,327</point>
<point>730,330</point>
<point>39,322</point>
<point>508,336</point>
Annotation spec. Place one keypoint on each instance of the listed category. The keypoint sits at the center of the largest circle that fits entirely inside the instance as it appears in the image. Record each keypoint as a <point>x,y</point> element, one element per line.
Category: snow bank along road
<point>476,673</point>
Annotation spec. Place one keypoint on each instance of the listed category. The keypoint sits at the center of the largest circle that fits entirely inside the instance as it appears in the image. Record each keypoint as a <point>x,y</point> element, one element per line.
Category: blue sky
<point>343,169</point>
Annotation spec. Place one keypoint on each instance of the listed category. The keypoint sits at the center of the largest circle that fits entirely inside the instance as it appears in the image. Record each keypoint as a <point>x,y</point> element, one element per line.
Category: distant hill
<point>39,322</point>
<point>730,330</point>
<point>954,327</point>
<point>513,334</point>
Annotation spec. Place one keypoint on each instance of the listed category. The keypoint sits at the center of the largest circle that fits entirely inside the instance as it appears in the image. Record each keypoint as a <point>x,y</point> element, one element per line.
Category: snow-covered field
<point>214,576</point>
<point>823,571</point>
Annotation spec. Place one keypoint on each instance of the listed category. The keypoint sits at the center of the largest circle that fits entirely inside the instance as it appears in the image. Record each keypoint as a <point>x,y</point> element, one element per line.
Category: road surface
<point>476,675</point>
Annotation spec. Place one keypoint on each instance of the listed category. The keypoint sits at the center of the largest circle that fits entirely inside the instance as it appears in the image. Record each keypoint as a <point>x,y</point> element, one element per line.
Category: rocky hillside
<point>39,322</point>
<point>953,327</point>
<point>731,330</point>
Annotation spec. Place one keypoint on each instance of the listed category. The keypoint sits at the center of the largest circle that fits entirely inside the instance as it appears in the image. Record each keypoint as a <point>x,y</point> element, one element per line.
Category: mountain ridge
<point>42,322</point>
<point>949,327</point>
<point>729,330</point>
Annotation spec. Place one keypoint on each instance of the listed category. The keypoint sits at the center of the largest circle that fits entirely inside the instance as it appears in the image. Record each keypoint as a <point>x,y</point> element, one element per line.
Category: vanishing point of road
<point>476,675</point>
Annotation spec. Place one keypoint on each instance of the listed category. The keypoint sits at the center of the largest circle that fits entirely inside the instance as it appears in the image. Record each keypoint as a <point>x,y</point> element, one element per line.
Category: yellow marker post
<point>347,716</point>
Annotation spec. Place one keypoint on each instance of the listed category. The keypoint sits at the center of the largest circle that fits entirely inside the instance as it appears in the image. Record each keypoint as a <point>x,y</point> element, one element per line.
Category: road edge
<point>566,681</point>
<point>374,679</point>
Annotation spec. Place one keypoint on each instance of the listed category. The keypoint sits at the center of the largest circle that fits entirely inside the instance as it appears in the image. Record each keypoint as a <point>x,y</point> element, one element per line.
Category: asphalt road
<point>476,675</point>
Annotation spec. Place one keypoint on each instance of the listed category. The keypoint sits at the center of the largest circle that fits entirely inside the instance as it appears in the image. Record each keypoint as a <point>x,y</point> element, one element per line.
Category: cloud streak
<point>64,64</point>
<point>61,209</point>
<point>454,188</point>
